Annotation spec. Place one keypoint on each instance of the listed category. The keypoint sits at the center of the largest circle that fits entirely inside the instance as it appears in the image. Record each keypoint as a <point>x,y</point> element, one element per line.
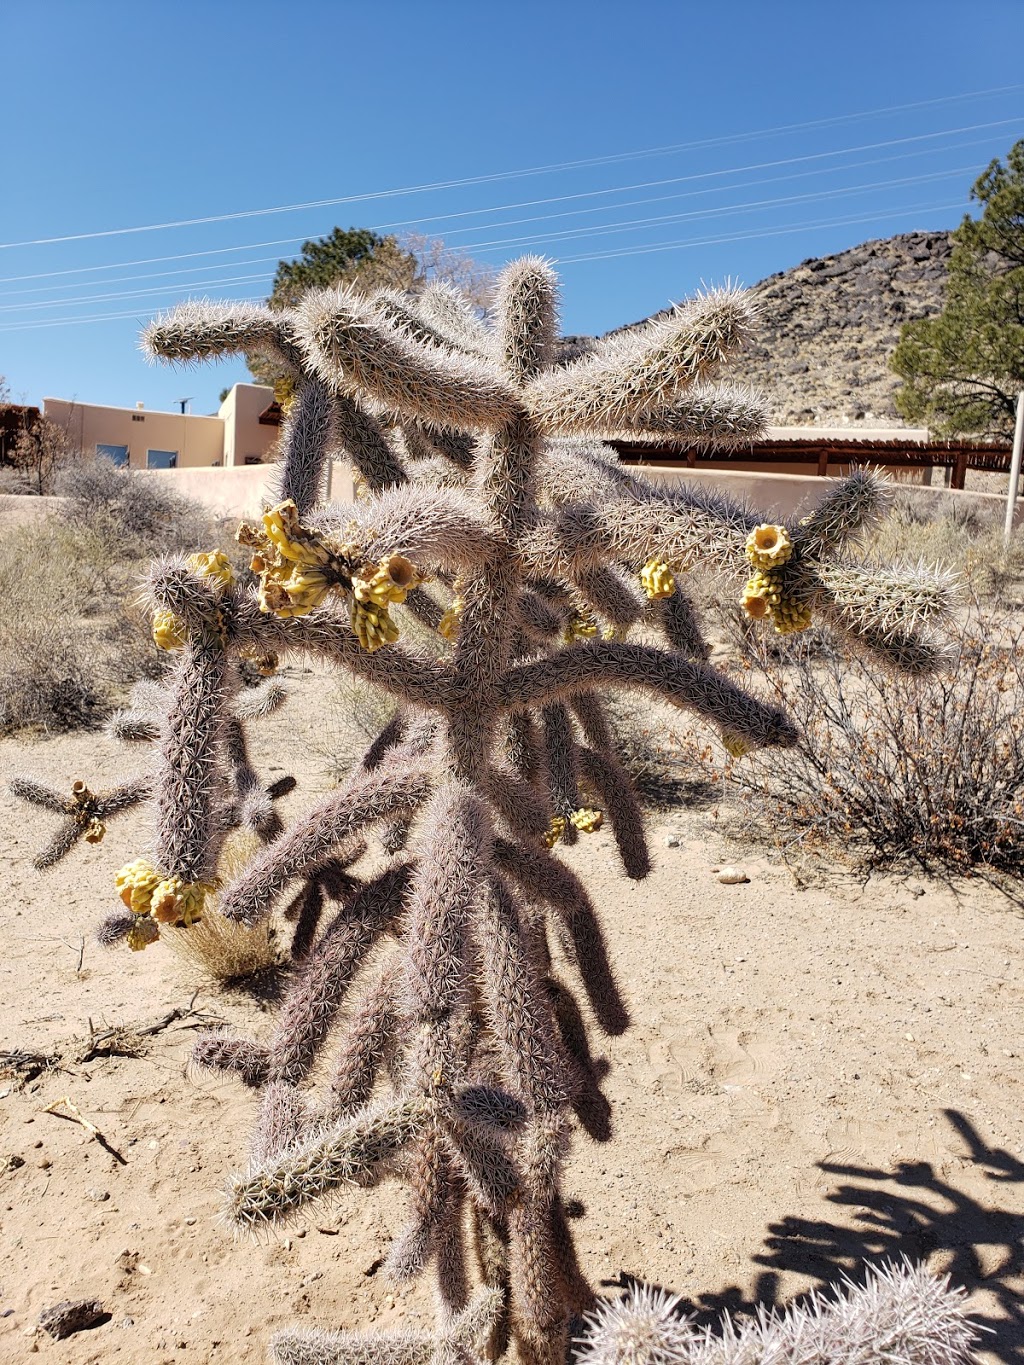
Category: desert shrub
<point>892,770</point>
<point>47,679</point>
<point>75,634</point>
<point>133,515</point>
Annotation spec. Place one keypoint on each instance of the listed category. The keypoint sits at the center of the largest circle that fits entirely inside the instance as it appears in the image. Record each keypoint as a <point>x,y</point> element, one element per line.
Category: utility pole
<point>1015,462</point>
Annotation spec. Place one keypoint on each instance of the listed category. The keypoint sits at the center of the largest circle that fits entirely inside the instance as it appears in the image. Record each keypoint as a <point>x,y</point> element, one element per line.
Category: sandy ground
<point>812,1077</point>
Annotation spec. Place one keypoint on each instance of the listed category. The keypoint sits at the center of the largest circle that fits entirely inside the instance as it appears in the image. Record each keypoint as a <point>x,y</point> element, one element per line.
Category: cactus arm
<point>683,683</point>
<point>352,346</point>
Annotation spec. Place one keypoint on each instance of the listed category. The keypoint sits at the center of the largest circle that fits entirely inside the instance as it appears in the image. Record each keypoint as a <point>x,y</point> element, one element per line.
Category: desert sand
<point>813,1077</point>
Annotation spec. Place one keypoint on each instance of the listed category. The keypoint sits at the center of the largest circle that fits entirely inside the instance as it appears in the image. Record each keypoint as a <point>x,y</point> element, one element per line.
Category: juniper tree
<point>432,1028</point>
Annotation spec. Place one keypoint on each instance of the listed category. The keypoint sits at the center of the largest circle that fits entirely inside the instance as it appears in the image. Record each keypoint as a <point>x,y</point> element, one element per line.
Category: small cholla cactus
<point>541,574</point>
<point>901,1313</point>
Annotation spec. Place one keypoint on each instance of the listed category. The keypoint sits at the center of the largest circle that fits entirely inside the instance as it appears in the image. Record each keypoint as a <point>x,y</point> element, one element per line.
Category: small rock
<point>98,1196</point>
<point>63,1319</point>
<point>672,841</point>
<point>14,1162</point>
<point>732,876</point>
<point>190,1222</point>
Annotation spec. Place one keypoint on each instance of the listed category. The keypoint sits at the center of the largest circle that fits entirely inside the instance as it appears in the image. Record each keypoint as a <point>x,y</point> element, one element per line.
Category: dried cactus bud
<point>587,820</point>
<point>177,902</point>
<point>142,933</point>
<point>554,832</point>
<point>168,630</point>
<point>769,546</point>
<point>213,565</point>
<point>266,665</point>
<point>250,534</point>
<point>393,578</point>
<point>372,625</point>
<point>95,831</point>
<point>136,882</point>
<point>657,579</point>
<point>80,792</point>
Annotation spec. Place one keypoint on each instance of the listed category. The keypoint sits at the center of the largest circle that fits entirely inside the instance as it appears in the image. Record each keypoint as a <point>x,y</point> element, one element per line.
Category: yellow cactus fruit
<point>657,579</point>
<point>586,820</point>
<point>142,933</point>
<point>735,745</point>
<point>178,902</point>
<point>95,831</point>
<point>292,590</point>
<point>448,626</point>
<point>285,532</point>
<point>168,630</point>
<point>213,565</point>
<point>581,626</point>
<point>554,832</point>
<point>790,617</point>
<point>136,882</point>
<point>754,602</point>
<point>389,582</point>
<point>372,625</point>
<point>769,546</point>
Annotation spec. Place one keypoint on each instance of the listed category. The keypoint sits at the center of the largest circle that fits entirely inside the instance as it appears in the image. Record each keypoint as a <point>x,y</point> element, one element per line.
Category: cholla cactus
<point>901,1313</point>
<point>493,514</point>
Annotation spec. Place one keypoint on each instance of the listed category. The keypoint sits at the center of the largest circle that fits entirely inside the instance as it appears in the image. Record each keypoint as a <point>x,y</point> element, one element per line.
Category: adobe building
<point>241,433</point>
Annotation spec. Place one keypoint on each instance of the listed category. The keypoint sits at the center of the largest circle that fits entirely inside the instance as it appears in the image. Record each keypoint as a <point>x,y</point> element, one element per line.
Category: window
<point>115,454</point>
<point>138,417</point>
<point>161,459</point>
<point>253,459</point>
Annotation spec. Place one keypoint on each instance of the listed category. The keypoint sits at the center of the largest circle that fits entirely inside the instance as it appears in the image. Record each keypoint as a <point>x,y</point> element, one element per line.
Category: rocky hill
<point>830,325</point>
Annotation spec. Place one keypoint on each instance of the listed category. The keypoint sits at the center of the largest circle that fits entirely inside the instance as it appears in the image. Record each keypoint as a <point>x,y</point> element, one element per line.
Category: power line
<point>509,175</point>
<point>635,250</point>
<point>629,225</point>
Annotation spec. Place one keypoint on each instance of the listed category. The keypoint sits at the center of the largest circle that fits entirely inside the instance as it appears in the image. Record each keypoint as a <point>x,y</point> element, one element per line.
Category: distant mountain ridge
<point>829,326</point>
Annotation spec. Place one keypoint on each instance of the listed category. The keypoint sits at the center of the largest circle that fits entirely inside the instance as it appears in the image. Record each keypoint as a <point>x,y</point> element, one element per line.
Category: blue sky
<point>646,147</point>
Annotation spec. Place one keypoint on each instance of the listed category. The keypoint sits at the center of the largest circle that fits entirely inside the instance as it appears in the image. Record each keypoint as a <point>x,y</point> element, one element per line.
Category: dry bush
<point>892,770</point>
<point>73,634</point>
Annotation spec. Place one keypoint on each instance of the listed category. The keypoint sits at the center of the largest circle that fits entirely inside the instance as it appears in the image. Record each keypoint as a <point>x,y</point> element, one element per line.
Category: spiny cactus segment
<point>541,574</point>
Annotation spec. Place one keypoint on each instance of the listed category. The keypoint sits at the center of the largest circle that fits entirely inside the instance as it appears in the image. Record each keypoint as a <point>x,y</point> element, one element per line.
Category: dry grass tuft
<point>219,950</point>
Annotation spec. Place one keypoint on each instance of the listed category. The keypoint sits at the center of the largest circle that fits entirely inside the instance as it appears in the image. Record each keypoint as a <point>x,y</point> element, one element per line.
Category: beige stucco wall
<point>199,441</point>
<point>244,491</point>
<point>244,437</point>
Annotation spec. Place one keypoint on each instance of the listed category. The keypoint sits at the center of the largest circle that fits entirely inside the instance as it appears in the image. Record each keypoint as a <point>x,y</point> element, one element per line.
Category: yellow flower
<point>168,630</point>
<point>178,902</point>
<point>769,546</point>
<point>586,820</point>
<point>372,625</point>
<point>393,578</point>
<point>554,832</point>
<point>136,882</point>
<point>143,932</point>
<point>214,565</point>
<point>657,579</point>
<point>581,626</point>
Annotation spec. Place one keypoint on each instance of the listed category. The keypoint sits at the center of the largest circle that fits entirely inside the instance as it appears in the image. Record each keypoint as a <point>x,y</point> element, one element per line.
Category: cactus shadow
<point>911,1211</point>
